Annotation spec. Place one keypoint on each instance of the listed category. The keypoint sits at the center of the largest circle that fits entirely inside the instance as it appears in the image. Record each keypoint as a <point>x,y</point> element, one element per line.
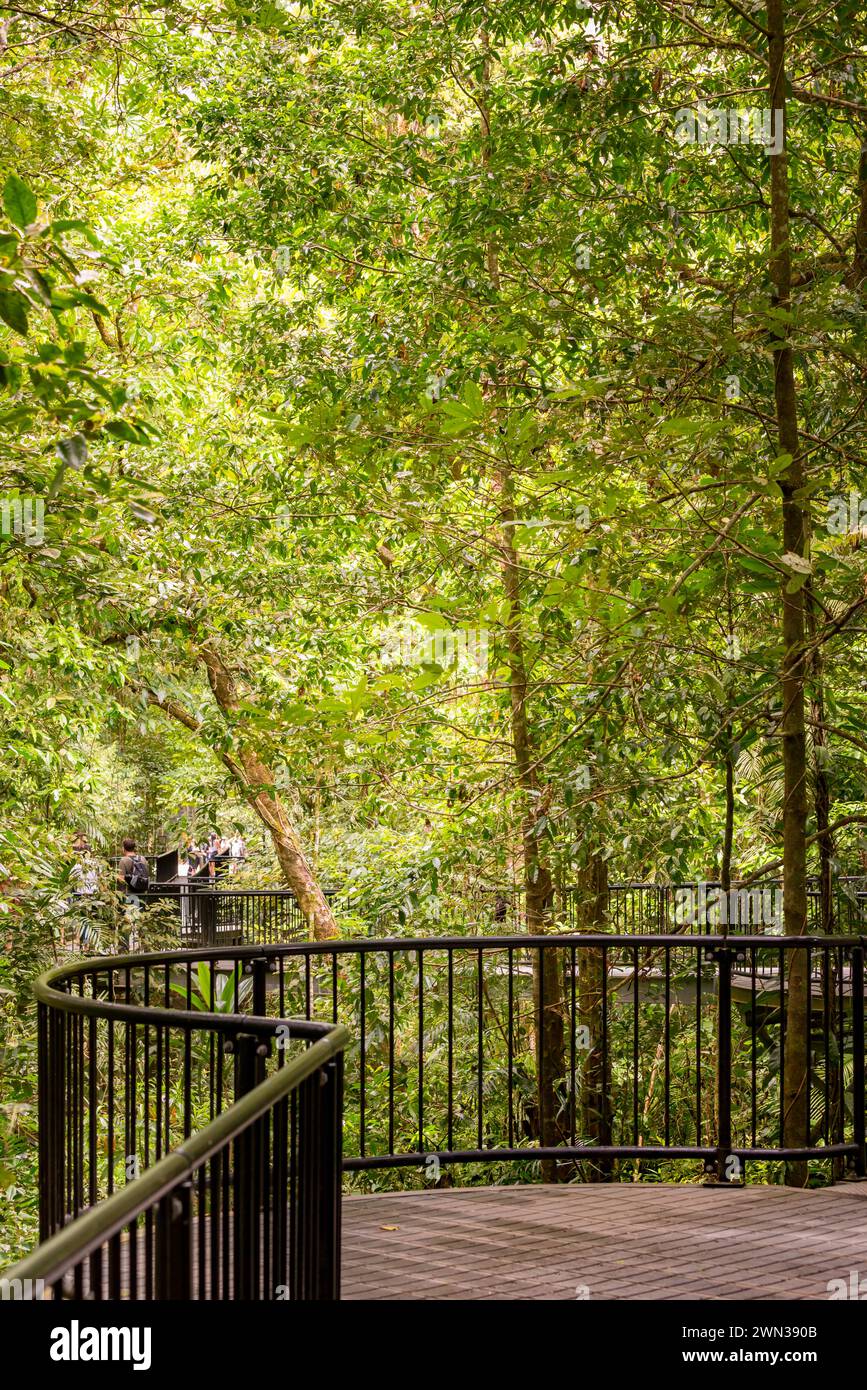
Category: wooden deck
<point>604,1241</point>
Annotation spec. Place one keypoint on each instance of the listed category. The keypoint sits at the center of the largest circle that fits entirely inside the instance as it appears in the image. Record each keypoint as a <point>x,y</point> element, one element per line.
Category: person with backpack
<point>133,875</point>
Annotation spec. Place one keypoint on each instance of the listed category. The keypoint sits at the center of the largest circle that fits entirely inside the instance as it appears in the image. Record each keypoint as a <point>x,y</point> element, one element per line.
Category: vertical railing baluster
<point>781,980</point>
<point>606,1063</point>
<point>420,1063</point>
<point>174,1263</point>
<point>573,1063</point>
<point>450,1102</point>
<point>510,1048</point>
<point>723,961</point>
<point>480,1052</point>
<point>362,1053</point>
<point>698,1087</point>
<point>391,1050</point>
<point>635,1015</point>
<point>754,1048</point>
<point>827,1006</point>
<point>667,1045</point>
<point>858,1093</point>
<point>330,1178</point>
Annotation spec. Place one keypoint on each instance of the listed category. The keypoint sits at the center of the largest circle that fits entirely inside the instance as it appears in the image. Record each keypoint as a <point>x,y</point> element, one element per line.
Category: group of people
<point>130,878</point>
<point>132,875</point>
<point>212,858</point>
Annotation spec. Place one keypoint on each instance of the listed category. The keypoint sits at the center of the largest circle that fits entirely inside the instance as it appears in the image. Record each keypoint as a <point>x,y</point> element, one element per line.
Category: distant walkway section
<point>606,1241</point>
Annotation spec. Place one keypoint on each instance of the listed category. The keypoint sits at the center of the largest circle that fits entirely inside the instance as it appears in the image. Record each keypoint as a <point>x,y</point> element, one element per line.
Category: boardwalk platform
<point>604,1241</point>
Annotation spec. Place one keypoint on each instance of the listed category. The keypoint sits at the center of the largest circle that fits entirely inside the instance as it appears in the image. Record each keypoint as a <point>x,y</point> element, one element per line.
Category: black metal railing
<point>661,1049</point>
<point>704,907</point>
<point>204,913</point>
<point>211,916</point>
<point>190,1134</point>
<point>172,1164</point>
<point>668,1048</point>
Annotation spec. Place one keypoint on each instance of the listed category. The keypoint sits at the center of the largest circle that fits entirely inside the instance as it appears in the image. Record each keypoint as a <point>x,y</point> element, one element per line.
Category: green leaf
<point>796,583</point>
<point>227,994</point>
<point>40,285</point>
<point>682,427</point>
<point>457,417</point>
<point>13,311</point>
<point>73,450</point>
<point>88,301</point>
<point>121,429</point>
<point>204,982</point>
<point>473,399</point>
<point>18,202</point>
<point>142,514</point>
<point>779,465</point>
<point>715,687</point>
<point>74,224</point>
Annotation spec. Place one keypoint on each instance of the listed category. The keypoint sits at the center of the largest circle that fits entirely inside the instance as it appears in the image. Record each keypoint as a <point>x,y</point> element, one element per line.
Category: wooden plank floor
<point>616,1241</point>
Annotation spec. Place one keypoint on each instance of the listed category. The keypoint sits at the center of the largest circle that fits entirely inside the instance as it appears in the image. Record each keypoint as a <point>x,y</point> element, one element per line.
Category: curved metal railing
<point>229,1179</point>
<point>659,1051</point>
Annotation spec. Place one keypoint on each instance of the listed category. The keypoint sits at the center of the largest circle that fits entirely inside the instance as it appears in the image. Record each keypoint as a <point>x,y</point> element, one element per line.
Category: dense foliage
<point>387,391</point>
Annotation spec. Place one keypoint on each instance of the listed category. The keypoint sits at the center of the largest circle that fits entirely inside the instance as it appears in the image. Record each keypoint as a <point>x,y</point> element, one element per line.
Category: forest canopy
<point>432,441</point>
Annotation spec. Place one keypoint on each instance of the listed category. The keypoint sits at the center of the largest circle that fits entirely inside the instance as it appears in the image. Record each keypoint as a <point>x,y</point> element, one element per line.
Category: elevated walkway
<point>670,1241</point>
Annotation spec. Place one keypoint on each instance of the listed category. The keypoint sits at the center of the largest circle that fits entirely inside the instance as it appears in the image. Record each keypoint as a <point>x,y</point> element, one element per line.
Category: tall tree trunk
<point>548,1003</point>
<point>795,542</point>
<point>259,782</point>
<point>729,831</point>
<point>858,271</point>
<point>595,1108</point>
<point>821,784</point>
<point>538,884</point>
<point>256,783</point>
<point>728,834</point>
<point>835,1081</point>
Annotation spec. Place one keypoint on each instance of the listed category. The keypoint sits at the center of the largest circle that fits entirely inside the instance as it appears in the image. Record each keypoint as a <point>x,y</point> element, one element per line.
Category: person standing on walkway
<point>197,860</point>
<point>133,875</point>
<point>133,878</point>
<point>84,876</point>
<point>238,851</point>
<point>84,873</point>
<point>184,868</point>
<point>219,858</point>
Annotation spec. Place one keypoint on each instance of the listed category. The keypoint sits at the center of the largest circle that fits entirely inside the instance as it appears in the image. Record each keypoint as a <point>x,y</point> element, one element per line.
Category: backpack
<point>138,879</point>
